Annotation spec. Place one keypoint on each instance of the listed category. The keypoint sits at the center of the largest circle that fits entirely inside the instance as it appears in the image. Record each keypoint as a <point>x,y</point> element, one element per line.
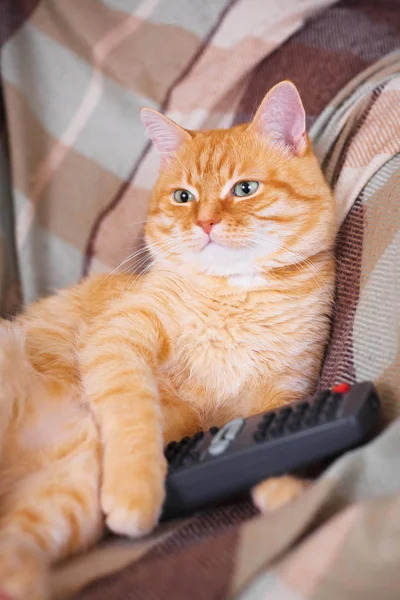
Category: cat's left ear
<point>281,118</point>
<point>166,135</point>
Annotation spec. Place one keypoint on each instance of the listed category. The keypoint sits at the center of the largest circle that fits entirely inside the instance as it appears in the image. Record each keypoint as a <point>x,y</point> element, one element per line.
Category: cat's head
<point>243,200</point>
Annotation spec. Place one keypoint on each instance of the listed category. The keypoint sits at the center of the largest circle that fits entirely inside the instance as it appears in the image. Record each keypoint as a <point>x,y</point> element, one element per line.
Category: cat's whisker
<point>126,260</point>
<point>255,228</point>
<point>135,268</point>
<point>140,275</point>
<point>167,247</point>
<point>137,253</point>
<point>300,257</point>
<point>307,261</point>
<point>136,223</point>
<point>334,257</point>
<point>147,268</point>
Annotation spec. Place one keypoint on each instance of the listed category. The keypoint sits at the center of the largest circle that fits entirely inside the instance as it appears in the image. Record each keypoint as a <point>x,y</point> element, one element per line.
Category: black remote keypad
<point>286,420</point>
<point>211,466</point>
<point>184,452</point>
<point>177,452</point>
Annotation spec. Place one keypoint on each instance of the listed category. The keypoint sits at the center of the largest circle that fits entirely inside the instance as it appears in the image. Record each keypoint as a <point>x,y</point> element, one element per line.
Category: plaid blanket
<point>76,172</point>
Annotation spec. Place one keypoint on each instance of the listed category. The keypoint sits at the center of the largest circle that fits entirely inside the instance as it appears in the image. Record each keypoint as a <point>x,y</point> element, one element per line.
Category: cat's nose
<point>207,224</point>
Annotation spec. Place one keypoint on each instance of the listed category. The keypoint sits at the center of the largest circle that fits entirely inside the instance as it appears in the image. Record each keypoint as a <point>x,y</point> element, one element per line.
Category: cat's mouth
<point>211,243</point>
<point>217,241</point>
<point>208,242</point>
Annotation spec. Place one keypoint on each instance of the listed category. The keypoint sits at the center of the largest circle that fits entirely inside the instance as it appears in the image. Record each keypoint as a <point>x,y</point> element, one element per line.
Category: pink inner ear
<point>165,134</point>
<point>282,118</point>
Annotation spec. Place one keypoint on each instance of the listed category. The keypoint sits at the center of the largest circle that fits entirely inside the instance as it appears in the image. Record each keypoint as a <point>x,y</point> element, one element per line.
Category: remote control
<point>211,467</point>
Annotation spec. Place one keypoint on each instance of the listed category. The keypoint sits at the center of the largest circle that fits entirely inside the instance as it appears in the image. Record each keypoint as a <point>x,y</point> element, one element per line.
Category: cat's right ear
<point>166,135</point>
<point>281,118</point>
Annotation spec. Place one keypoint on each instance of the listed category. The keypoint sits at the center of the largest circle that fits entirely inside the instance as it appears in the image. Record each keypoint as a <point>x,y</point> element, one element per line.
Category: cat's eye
<point>183,196</point>
<point>245,188</point>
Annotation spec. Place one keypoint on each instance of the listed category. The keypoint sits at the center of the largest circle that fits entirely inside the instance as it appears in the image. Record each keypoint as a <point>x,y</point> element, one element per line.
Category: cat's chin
<point>222,261</point>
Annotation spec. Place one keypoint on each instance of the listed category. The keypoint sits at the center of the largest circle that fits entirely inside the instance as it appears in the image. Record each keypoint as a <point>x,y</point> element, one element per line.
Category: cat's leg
<point>119,360</point>
<point>179,418</point>
<point>48,515</point>
<point>49,494</point>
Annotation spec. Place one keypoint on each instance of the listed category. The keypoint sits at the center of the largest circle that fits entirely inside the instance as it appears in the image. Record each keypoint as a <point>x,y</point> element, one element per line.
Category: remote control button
<point>172,445</point>
<point>335,403</point>
<point>266,421</point>
<point>169,455</point>
<point>219,447</point>
<point>327,415</point>
<point>178,457</point>
<point>213,430</point>
<point>190,445</point>
<point>332,413</point>
<point>340,388</point>
<point>313,412</point>
<point>336,399</point>
<point>275,431</point>
<point>281,419</point>
<point>261,431</point>
<point>233,428</point>
<point>268,416</point>
<point>301,407</point>
<point>317,405</point>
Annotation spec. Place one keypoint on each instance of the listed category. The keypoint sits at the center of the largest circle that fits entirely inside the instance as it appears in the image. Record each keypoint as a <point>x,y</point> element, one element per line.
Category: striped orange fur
<point>231,320</point>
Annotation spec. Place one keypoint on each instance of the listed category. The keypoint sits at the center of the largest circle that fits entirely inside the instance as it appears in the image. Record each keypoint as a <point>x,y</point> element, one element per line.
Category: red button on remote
<point>341,388</point>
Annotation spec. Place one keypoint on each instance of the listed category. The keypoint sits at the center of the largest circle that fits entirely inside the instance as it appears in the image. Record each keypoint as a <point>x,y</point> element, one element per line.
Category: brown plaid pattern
<point>77,171</point>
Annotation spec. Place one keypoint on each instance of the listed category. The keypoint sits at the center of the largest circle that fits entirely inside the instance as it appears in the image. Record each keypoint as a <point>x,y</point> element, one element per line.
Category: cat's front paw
<point>275,492</point>
<point>23,571</point>
<point>132,507</point>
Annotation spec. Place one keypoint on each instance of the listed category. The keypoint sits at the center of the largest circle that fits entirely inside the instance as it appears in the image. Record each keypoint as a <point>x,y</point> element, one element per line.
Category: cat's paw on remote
<point>275,492</point>
<point>132,509</point>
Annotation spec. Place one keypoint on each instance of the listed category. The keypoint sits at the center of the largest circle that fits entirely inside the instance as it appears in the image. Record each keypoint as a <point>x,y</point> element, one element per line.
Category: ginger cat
<point>231,320</point>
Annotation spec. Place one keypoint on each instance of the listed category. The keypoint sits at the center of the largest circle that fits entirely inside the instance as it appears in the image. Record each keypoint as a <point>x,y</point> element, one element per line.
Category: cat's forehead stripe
<point>211,161</point>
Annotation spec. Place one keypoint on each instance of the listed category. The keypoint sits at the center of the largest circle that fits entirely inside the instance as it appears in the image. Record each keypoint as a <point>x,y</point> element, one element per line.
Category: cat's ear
<point>166,135</point>
<point>282,119</point>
